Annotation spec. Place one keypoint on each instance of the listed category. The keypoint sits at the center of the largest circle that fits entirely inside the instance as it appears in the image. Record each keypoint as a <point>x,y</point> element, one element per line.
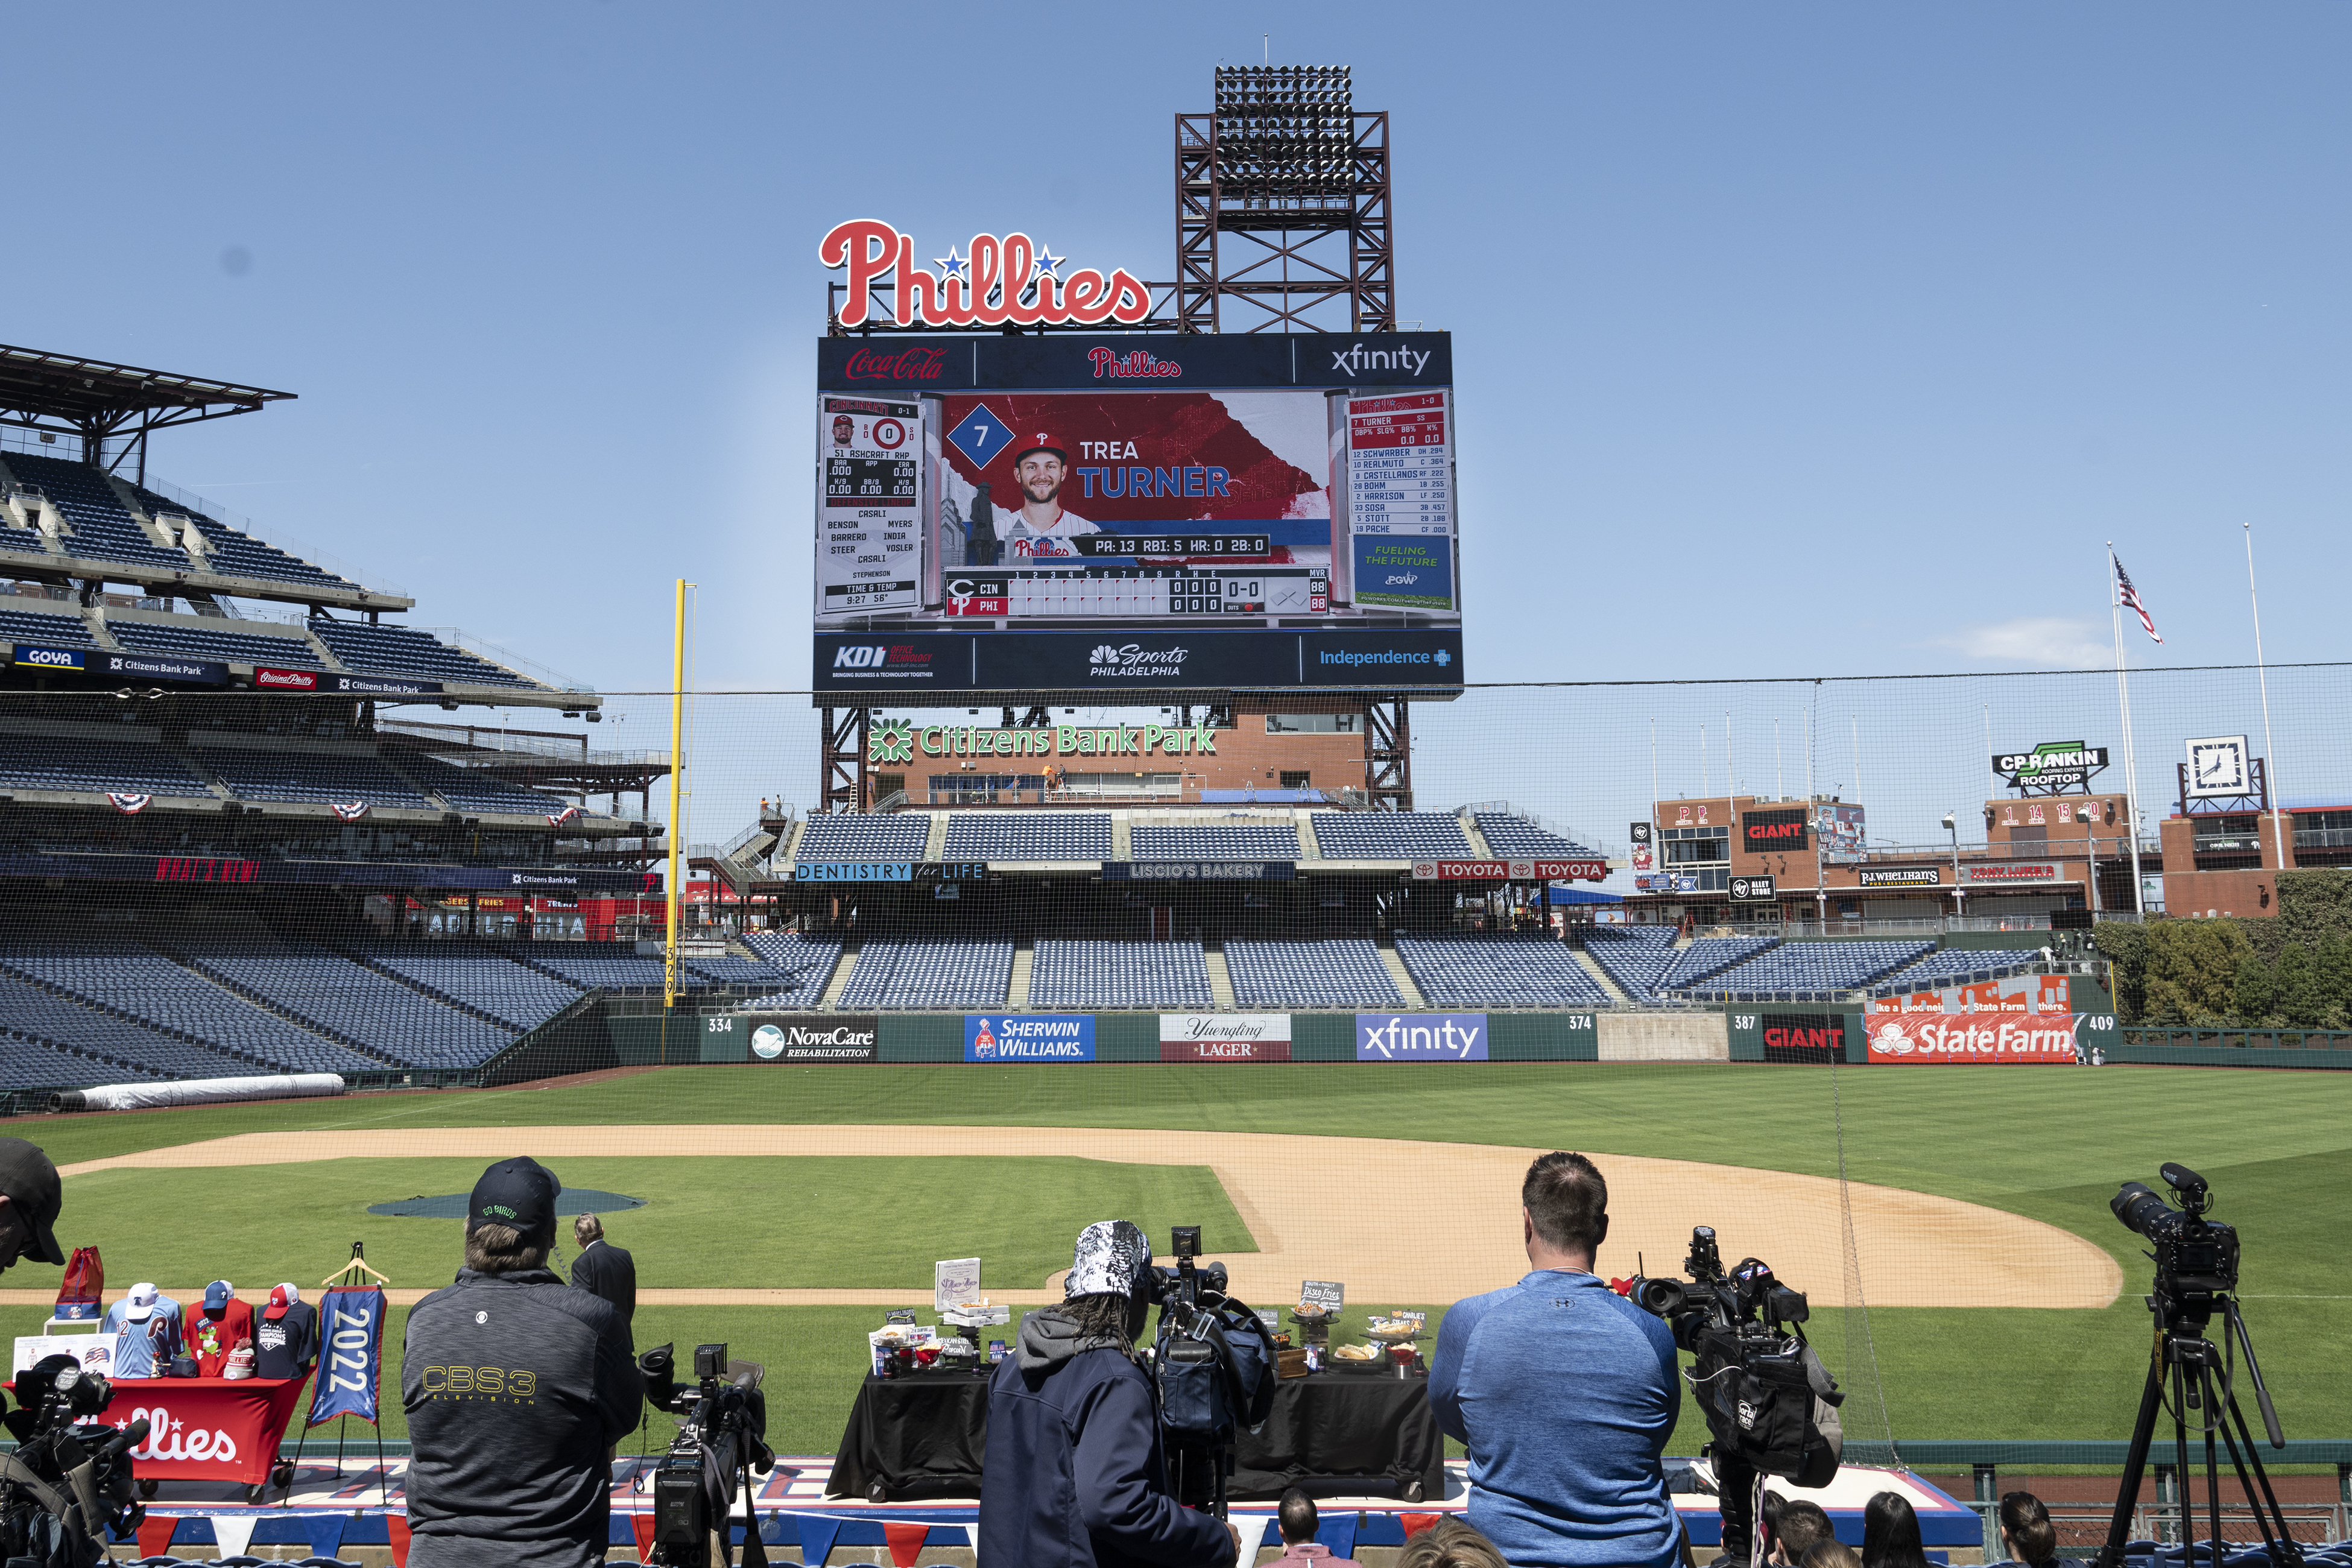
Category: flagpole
<point>2270,760</point>
<point>2131,761</point>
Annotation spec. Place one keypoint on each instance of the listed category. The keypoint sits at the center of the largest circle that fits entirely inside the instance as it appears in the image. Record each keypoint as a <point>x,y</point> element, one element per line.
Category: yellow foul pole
<point>676,766</point>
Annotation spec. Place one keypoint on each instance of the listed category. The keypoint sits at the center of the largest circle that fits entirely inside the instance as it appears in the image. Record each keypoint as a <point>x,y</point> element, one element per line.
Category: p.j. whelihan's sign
<point>2053,767</point>
<point>1011,282</point>
<point>892,742</point>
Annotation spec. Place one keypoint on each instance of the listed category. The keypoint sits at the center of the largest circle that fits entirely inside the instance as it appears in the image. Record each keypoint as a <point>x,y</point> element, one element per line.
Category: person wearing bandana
<point>1075,1476</point>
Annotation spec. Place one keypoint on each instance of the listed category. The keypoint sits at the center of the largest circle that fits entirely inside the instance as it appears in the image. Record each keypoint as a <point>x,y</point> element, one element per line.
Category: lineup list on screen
<point>868,557</point>
<point>1399,465</point>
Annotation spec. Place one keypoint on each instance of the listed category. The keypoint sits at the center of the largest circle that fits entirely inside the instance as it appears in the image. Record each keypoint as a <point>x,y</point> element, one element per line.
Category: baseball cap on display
<point>140,1305</point>
<point>1040,442</point>
<point>217,1296</point>
<point>519,1193</point>
<point>30,1182</point>
<point>283,1296</point>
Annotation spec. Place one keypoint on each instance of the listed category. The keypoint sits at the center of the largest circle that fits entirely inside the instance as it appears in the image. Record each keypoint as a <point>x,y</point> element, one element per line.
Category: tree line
<point>2291,970</point>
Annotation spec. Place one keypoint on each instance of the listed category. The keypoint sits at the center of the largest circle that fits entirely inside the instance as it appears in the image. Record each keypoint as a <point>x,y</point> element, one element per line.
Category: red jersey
<point>210,1342</point>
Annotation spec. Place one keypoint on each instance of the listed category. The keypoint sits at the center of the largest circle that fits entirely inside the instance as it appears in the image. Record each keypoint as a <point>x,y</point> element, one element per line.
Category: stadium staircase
<point>1601,977</point>
<point>1398,972</point>
<point>831,995</point>
<point>1024,963</point>
<point>255,999</point>
<point>1478,850</point>
<point>935,847</point>
<point>1220,979</point>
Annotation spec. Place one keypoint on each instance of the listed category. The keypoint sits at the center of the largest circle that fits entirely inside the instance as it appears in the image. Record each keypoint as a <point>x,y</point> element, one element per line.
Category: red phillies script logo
<point>1003,282</point>
<point>911,364</point>
<point>1135,362</point>
<point>192,869</point>
<point>287,679</point>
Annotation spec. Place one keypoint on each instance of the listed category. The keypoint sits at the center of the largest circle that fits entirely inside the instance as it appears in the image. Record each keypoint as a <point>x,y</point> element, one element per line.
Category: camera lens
<point>2142,1211</point>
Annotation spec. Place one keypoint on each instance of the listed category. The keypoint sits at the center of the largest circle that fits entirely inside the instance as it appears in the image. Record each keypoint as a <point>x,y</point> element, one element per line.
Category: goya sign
<point>2053,767</point>
<point>1009,281</point>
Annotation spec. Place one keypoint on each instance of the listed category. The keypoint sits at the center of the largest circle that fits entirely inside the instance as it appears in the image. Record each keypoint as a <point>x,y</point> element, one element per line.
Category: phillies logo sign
<point>1009,281</point>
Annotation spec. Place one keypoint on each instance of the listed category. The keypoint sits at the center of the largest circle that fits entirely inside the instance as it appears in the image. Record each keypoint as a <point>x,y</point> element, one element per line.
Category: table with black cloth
<point>1335,1434</point>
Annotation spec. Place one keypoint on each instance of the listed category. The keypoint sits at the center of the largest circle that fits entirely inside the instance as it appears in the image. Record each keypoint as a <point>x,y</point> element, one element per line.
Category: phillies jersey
<point>211,1342</point>
<point>1025,541</point>
<point>147,1345</point>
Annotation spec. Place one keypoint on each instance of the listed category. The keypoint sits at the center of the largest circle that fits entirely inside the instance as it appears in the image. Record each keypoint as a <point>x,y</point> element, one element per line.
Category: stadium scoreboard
<point>1073,513</point>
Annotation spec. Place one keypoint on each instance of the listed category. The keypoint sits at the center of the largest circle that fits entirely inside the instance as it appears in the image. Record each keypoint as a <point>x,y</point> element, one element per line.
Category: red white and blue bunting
<point>352,812</point>
<point>127,804</point>
<point>557,819</point>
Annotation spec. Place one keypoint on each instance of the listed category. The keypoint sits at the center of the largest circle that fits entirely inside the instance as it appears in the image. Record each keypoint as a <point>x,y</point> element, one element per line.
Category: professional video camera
<point>721,1440</point>
<point>2196,1257</point>
<point>69,1479</point>
<point>1212,1363</point>
<point>1769,1402</point>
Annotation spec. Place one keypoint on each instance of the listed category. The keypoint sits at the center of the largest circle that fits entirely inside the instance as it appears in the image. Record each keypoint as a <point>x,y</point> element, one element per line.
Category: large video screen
<point>1060,514</point>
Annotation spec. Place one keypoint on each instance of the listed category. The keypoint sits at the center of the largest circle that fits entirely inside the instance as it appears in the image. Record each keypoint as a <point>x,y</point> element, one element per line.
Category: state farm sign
<point>1592,870</point>
<point>1934,1039</point>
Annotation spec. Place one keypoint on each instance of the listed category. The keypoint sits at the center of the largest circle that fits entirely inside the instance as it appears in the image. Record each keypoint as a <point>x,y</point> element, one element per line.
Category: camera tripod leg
<point>2181,1458</point>
<point>2111,1555</point>
<point>2267,1512</point>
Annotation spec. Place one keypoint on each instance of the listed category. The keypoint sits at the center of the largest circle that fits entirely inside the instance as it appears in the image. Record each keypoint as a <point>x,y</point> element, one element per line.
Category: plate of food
<point>1358,1358</point>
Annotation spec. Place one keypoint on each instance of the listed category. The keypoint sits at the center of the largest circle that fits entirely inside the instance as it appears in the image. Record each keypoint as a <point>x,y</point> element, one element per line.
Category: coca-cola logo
<point>909,364</point>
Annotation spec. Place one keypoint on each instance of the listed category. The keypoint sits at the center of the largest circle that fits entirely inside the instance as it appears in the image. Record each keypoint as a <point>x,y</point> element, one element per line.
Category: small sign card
<point>1270,1318</point>
<point>1328,1294</point>
<point>900,1315</point>
<point>955,1282</point>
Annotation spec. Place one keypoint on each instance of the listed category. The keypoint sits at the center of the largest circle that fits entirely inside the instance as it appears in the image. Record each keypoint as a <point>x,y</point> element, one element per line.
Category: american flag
<point>2129,597</point>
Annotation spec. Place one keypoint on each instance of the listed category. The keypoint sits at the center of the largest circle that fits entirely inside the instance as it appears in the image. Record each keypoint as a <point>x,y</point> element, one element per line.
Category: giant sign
<point>1144,514</point>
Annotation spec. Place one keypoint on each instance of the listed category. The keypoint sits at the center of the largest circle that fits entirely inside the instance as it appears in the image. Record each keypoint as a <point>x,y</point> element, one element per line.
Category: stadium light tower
<point>1282,207</point>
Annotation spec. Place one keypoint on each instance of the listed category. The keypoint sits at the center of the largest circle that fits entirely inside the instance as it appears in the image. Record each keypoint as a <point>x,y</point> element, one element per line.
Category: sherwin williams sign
<point>1421,1036</point>
<point>1029,1038</point>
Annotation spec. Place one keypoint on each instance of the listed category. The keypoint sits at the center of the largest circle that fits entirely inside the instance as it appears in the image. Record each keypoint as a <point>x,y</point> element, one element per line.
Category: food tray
<point>1380,1365</point>
<point>1395,1336</point>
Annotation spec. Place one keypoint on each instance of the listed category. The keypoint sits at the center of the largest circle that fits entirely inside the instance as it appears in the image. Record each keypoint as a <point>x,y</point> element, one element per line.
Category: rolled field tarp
<point>197,1092</point>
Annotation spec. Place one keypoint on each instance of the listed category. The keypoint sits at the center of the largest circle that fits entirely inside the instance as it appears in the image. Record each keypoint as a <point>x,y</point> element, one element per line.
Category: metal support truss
<point>1388,752</point>
<point>841,785</point>
<point>1275,260</point>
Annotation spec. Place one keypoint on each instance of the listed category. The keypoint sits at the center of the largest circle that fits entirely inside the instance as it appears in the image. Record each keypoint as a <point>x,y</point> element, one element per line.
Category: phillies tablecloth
<point>207,1429</point>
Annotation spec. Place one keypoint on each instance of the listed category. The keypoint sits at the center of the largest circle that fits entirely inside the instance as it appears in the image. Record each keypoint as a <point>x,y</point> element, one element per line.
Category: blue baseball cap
<point>216,1298</point>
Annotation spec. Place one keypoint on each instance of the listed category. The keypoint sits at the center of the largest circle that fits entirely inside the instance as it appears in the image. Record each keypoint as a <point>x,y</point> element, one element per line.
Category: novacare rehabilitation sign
<point>1028,1038</point>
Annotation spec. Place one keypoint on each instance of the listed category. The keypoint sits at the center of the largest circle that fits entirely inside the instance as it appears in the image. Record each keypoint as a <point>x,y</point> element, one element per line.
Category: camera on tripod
<point>70,1478</point>
<point>721,1440</point>
<point>1212,1366</point>
<point>2196,1257</point>
<point>1767,1400</point>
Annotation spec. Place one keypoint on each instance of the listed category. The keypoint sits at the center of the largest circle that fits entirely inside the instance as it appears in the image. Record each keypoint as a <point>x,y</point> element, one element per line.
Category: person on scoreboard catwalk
<point>1565,1394</point>
<point>517,1385</point>
<point>1075,1476</point>
<point>1041,527</point>
<point>603,1269</point>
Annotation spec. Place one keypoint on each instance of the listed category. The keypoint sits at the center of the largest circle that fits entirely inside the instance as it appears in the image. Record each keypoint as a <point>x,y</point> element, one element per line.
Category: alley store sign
<point>1009,281</point>
<point>1752,890</point>
<point>898,742</point>
<point>1593,871</point>
<point>2053,767</point>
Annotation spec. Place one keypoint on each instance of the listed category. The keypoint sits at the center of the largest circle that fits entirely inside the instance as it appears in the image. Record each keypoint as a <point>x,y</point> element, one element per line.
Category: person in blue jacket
<point>1564,1393</point>
<point>1074,1476</point>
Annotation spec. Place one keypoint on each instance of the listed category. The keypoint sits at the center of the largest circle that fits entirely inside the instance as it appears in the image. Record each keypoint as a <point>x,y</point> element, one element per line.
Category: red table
<point>207,1429</point>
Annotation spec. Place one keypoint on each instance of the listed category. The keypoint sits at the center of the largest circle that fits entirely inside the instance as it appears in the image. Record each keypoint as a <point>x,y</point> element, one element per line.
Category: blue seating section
<point>1712,955</point>
<point>1510,836</point>
<point>1635,957</point>
<point>176,1000</point>
<point>306,777</point>
<point>1391,835</point>
<point>734,969</point>
<point>1224,841</point>
<point>1119,974</point>
<point>1346,973</point>
<point>103,529</point>
<point>1796,970</point>
<point>603,966</point>
<point>1508,971</point>
<point>53,631</point>
<point>31,762</point>
<point>471,789</point>
<point>194,642</point>
<point>106,1043</point>
<point>399,650</point>
<point>1958,966</point>
<point>806,963</point>
<point>930,972</point>
<point>26,1063</point>
<point>348,999</point>
<point>234,554</point>
<point>856,838</point>
<point>1029,835</point>
<point>515,994</point>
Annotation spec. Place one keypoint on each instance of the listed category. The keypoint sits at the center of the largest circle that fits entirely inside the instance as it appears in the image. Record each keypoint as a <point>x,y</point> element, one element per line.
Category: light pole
<point>1959,899</point>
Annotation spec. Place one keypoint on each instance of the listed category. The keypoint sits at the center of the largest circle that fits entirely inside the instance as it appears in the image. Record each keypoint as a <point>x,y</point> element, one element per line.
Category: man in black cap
<point>517,1386</point>
<point>29,1201</point>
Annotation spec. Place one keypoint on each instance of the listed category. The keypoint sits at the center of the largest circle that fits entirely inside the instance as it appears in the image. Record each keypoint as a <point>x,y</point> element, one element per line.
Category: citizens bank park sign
<point>1012,281</point>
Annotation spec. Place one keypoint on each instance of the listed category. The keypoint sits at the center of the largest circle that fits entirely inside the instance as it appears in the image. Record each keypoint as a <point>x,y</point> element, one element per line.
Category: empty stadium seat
<point>399,650</point>
<point>930,972</point>
<point>471,789</point>
<point>1213,841</point>
<point>1512,837</point>
<point>1802,971</point>
<point>1119,974</point>
<point>306,776</point>
<point>37,761</point>
<point>1711,955</point>
<point>1391,835</point>
<point>350,1000</point>
<point>117,1045</point>
<point>1029,835</point>
<point>807,961</point>
<point>901,837</point>
<point>169,997</point>
<point>54,631</point>
<point>1957,966</point>
<point>1500,972</point>
<point>234,554</point>
<point>515,994</point>
<point>1345,973</point>
<point>102,528</point>
<point>198,642</point>
<point>1635,957</point>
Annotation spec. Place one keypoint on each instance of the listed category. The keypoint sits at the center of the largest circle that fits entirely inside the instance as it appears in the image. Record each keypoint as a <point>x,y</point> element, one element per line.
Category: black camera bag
<point>1771,1403</point>
<point>1220,1382</point>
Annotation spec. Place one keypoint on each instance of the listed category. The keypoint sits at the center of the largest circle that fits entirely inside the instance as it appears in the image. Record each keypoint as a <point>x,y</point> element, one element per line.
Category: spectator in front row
<point>2026,1532</point>
<point>1450,1543</point>
<point>1565,1394</point>
<point>1890,1533</point>
<point>1797,1529</point>
<point>1831,1553</point>
<point>1296,1517</point>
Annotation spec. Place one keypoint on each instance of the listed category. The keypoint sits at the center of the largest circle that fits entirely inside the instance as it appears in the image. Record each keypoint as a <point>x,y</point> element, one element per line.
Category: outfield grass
<point>2050,1145</point>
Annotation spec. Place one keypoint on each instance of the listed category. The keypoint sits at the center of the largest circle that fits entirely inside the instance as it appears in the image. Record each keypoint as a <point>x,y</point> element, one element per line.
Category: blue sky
<point>1790,341</point>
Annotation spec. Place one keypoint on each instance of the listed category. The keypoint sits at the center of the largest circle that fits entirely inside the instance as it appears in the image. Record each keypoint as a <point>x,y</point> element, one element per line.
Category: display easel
<point>356,1275</point>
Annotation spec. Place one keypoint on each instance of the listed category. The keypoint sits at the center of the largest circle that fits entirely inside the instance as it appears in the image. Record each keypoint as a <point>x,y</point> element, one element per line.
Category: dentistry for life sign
<point>1029,1038</point>
<point>1937,1039</point>
<point>1421,1036</point>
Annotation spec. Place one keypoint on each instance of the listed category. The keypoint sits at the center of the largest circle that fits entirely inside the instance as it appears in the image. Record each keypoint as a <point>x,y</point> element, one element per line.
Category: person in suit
<point>603,1269</point>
